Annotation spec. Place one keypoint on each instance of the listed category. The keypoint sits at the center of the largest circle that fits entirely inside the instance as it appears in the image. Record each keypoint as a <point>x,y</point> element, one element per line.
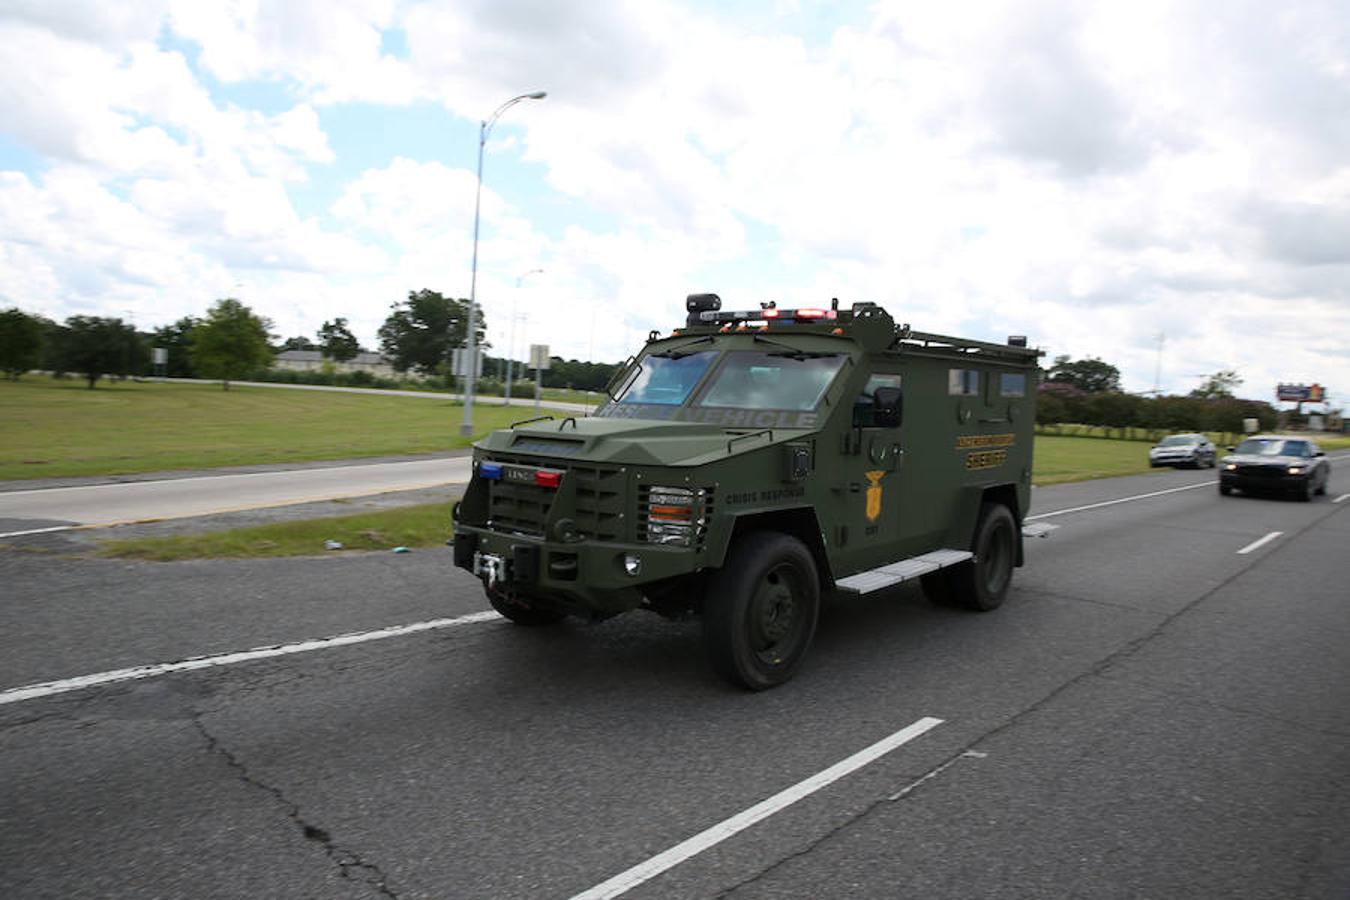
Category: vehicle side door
<point>873,520</point>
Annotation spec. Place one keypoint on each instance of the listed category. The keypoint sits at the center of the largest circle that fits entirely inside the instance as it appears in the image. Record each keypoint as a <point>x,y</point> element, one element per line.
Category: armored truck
<point>751,463</point>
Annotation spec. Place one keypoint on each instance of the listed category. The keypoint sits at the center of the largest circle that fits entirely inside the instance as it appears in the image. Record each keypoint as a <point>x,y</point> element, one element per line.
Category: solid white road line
<point>1257,544</point>
<point>48,688</point>
<point>38,530</point>
<point>1063,512</point>
<point>1341,497</point>
<point>626,881</point>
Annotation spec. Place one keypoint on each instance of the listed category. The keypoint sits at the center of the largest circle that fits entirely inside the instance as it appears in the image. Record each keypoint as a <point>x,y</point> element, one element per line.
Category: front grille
<point>521,508</point>
<point>599,501</point>
<point>1261,471</point>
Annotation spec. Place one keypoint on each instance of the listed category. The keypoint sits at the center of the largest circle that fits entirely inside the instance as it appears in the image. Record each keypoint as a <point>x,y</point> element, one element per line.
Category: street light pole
<point>471,357</point>
<point>511,345</point>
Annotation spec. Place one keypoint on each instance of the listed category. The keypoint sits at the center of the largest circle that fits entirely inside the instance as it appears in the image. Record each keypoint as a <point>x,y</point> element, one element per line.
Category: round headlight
<point>632,565</point>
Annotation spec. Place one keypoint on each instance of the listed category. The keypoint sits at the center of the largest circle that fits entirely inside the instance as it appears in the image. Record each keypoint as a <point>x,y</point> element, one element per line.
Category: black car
<point>1272,463</point>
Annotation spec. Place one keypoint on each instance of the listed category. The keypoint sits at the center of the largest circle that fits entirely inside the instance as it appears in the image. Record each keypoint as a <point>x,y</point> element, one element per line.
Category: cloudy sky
<point>1097,176</point>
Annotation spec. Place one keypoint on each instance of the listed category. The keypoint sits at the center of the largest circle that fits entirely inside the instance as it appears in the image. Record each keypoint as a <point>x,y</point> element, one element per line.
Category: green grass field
<point>60,428</point>
<point>423,525</point>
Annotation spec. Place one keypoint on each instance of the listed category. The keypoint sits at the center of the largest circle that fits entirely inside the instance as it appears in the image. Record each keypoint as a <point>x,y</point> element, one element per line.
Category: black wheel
<point>1225,490</point>
<point>761,609</point>
<point>1323,488</point>
<point>982,584</point>
<point>523,610</point>
<point>1304,494</point>
<point>1213,460</point>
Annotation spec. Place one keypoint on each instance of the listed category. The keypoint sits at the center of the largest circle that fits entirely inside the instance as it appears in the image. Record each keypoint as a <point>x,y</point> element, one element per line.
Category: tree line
<point>232,343</point>
<point>1088,392</point>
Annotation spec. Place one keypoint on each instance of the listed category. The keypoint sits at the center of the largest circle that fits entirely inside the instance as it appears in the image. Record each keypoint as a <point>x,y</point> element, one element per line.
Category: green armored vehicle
<point>752,462</point>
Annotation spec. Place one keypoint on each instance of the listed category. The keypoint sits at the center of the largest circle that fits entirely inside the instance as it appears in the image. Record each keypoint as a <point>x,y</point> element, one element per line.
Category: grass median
<point>59,428</point>
<point>413,527</point>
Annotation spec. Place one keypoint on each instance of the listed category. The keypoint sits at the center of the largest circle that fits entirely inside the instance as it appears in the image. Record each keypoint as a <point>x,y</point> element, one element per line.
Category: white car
<point>1183,450</point>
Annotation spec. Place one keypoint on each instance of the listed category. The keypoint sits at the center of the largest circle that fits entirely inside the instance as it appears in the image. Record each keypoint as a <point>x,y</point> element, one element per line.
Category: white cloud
<point>1090,174</point>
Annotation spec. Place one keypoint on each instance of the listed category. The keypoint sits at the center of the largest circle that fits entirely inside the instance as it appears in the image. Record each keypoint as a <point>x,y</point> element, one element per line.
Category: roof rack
<point>966,346</point>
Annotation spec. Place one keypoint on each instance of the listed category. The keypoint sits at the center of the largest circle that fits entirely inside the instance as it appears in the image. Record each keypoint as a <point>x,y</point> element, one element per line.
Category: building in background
<point>313,361</point>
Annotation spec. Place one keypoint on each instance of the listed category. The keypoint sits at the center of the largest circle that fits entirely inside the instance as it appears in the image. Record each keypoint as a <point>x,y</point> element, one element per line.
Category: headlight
<point>1296,470</point>
<point>1231,467</point>
<point>673,515</point>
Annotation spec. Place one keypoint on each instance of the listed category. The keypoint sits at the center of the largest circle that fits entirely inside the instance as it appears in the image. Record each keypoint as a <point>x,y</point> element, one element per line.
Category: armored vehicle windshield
<point>782,387</point>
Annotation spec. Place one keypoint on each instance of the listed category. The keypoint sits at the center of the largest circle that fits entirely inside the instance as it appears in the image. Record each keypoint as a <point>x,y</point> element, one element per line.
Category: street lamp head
<point>537,95</point>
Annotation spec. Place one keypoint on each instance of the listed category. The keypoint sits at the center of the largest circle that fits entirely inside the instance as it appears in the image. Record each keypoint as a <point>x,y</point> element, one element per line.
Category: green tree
<point>419,332</point>
<point>20,342</point>
<point>177,339</point>
<point>231,342</point>
<point>1220,384</point>
<point>336,341</point>
<point>95,346</point>
<point>299,342</point>
<point>1091,375</point>
<point>581,376</point>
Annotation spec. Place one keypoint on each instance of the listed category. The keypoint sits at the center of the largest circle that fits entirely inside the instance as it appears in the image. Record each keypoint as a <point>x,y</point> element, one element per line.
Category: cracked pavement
<point>1150,715</point>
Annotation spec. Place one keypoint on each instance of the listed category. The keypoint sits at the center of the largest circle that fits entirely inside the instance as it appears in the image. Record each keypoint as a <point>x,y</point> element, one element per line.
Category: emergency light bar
<point>716,317</point>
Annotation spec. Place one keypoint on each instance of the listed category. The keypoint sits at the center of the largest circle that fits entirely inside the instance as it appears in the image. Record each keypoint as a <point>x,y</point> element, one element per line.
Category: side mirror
<point>887,407</point>
<point>1321,453</point>
<point>1232,449</point>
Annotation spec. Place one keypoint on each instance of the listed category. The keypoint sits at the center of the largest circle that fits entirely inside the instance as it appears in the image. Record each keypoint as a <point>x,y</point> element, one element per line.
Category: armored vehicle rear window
<point>667,380</point>
<point>771,380</point>
<point>963,382</point>
<point>1012,384</point>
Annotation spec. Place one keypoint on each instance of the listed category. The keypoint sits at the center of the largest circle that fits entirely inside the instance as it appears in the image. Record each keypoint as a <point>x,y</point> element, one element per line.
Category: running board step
<point>904,570</point>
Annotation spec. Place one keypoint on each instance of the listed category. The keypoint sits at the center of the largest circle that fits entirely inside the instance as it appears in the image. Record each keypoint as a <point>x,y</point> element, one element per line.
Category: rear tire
<point>1225,490</point>
<point>982,584</point>
<point>761,610</point>
<point>523,611</point>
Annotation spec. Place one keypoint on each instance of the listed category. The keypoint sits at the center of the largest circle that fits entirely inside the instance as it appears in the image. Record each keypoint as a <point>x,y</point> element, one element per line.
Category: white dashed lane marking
<point>1260,542</point>
<point>645,871</point>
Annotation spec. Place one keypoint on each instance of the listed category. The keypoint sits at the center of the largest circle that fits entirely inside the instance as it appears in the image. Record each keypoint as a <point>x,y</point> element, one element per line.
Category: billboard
<point>1300,393</point>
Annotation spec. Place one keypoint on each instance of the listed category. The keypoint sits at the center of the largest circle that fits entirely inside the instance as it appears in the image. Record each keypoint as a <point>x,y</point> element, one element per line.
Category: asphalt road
<point>103,502</point>
<point>1153,713</point>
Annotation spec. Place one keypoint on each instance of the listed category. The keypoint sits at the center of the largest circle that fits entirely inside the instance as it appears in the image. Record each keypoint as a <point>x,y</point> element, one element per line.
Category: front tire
<point>1225,490</point>
<point>761,610</point>
<point>982,584</point>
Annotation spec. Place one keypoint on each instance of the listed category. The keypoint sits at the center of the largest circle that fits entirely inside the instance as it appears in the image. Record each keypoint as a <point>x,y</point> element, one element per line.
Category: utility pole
<point>1157,369</point>
<point>511,345</point>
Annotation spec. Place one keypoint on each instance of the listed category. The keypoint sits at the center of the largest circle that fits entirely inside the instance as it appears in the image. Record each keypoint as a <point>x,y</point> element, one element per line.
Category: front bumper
<point>1278,480</point>
<point>589,575</point>
<point>1174,459</point>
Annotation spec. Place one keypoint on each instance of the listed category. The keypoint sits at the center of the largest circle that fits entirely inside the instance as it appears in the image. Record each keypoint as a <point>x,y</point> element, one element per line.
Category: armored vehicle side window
<point>963,382</point>
<point>862,405</point>
<point>769,380</point>
<point>667,380</point>
<point>1012,384</point>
